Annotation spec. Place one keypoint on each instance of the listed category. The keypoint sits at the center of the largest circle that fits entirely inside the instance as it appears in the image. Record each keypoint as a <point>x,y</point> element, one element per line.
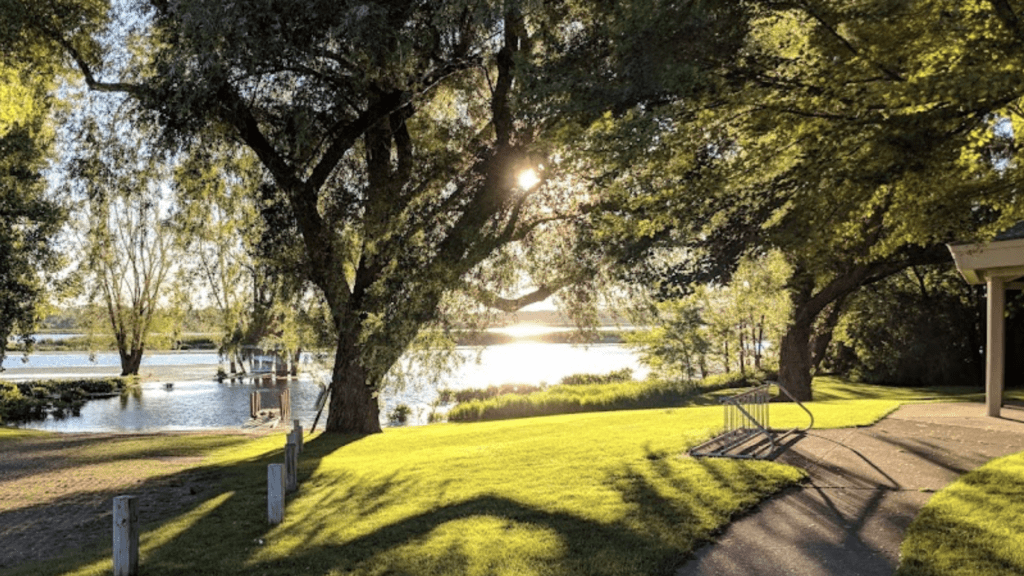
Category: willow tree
<point>394,130</point>
<point>128,246</point>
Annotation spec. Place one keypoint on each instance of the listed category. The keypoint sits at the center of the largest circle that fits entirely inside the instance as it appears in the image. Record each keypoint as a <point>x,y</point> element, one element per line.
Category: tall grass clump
<point>449,396</point>
<point>594,393</point>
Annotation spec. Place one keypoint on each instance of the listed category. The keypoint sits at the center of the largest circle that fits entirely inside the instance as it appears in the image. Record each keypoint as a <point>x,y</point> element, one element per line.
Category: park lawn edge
<point>649,470</point>
<point>973,527</point>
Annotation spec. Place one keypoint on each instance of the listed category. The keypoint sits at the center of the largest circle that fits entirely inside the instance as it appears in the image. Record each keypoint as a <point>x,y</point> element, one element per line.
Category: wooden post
<point>291,466</point>
<point>286,405</point>
<point>254,404</point>
<point>126,536</point>
<point>275,493</point>
<point>297,429</point>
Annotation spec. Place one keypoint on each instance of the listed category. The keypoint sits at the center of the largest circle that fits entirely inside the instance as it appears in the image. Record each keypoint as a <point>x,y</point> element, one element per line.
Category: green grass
<point>12,434</point>
<point>973,527</point>
<point>632,394</point>
<point>602,493</point>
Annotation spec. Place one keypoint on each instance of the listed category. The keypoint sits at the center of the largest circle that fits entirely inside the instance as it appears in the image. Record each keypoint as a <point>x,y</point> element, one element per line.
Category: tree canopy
<point>855,138</point>
<point>394,131</point>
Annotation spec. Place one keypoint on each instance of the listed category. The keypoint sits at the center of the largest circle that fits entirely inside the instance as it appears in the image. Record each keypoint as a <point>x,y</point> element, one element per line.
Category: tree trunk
<point>353,407</point>
<point>295,361</point>
<point>742,352</point>
<point>823,338</point>
<point>795,358</point>
<point>130,361</point>
<point>725,355</point>
<point>759,343</point>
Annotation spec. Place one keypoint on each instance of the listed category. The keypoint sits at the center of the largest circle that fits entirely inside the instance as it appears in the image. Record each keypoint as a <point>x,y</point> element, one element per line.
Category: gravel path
<point>56,490</point>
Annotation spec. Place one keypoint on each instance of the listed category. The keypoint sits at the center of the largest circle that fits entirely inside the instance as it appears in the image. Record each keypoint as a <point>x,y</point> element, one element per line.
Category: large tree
<point>394,130</point>
<point>29,218</point>
<point>860,139</point>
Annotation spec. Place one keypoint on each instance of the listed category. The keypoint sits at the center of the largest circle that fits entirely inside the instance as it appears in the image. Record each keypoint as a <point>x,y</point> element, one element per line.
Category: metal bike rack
<point>746,421</point>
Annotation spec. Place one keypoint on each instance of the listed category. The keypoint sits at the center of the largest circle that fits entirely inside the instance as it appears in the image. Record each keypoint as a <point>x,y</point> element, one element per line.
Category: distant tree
<point>218,219</point>
<point>921,327</point>
<point>678,345</point>
<point>713,325</point>
<point>128,245</point>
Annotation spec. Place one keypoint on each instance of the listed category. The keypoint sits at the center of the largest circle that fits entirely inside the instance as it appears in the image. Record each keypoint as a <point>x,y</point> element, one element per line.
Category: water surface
<point>203,403</point>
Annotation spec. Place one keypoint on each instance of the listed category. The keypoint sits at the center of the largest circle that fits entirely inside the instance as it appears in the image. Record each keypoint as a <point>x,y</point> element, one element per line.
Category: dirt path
<point>56,490</point>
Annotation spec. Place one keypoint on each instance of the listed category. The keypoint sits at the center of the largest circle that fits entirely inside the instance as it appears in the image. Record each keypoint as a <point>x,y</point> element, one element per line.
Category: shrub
<point>576,398</point>
<point>21,401</point>
<point>470,394</point>
<point>623,375</point>
<point>736,380</point>
<point>400,415</point>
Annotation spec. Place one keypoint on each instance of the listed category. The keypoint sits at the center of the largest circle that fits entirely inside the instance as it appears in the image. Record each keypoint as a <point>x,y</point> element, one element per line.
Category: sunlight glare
<point>525,330</point>
<point>528,178</point>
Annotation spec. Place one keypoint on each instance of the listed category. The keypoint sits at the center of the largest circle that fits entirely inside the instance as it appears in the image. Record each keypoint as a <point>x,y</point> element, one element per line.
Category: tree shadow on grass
<point>949,534</point>
<point>662,512</point>
<point>76,527</point>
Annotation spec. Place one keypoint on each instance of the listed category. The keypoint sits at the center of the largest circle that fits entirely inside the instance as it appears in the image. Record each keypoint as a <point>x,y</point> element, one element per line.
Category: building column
<point>995,349</point>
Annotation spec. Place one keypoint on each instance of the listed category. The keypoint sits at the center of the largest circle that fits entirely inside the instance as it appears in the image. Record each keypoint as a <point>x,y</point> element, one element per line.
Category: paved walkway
<point>866,486</point>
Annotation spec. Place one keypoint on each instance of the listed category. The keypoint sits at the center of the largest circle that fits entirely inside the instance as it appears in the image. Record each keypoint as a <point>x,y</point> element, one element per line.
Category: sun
<point>528,178</point>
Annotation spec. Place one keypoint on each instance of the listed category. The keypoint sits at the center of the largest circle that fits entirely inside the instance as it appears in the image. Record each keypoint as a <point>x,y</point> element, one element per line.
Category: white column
<point>275,493</point>
<point>995,349</point>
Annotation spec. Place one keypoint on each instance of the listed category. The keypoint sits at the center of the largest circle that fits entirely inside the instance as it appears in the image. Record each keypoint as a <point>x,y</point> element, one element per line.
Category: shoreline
<point>156,373</point>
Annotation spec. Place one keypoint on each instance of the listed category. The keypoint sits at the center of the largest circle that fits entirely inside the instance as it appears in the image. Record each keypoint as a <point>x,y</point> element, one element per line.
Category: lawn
<point>973,527</point>
<point>593,493</point>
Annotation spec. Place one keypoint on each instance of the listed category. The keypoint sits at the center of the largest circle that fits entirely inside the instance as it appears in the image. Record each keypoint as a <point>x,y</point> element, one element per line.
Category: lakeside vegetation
<point>33,400</point>
<point>598,493</point>
<point>589,393</point>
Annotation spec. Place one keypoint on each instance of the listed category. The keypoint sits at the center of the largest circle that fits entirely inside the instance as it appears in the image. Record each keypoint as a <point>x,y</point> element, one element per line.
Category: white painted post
<point>291,466</point>
<point>275,493</point>
<point>297,429</point>
<point>126,536</point>
<point>995,362</point>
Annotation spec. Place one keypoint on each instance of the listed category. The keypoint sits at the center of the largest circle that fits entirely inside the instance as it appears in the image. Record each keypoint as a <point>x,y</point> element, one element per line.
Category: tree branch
<point>492,300</point>
<point>1009,18</point>
<point>891,74</point>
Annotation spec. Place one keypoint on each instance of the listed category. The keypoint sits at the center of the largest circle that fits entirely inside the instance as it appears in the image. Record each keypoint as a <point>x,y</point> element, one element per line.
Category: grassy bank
<point>602,394</point>
<point>596,494</point>
<point>973,527</point>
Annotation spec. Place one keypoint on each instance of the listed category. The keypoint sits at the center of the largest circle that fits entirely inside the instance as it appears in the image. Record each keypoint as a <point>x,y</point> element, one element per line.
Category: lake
<point>197,401</point>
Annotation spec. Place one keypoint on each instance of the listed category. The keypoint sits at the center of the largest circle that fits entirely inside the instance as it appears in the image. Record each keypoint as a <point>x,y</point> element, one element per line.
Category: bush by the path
<point>33,400</point>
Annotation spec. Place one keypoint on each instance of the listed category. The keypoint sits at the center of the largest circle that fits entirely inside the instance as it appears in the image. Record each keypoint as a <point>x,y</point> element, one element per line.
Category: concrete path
<point>866,486</point>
